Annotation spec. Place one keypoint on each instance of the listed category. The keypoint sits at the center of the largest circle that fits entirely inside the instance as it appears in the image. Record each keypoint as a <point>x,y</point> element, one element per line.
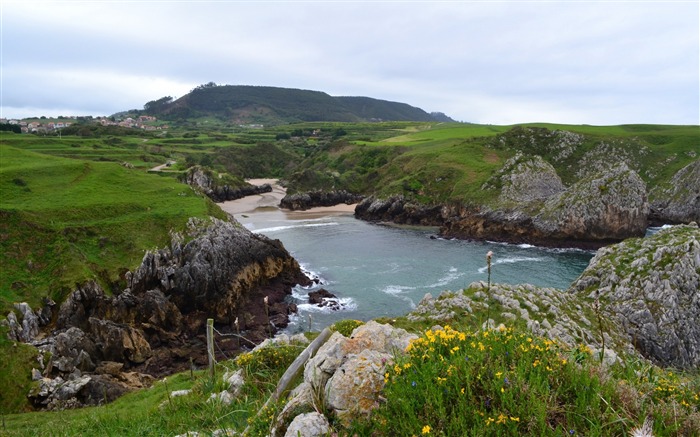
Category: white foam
<point>450,276</point>
<point>511,260</point>
<point>345,304</point>
<point>287,227</point>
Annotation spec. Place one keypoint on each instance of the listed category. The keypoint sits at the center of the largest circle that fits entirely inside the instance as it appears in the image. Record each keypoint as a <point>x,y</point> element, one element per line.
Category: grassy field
<point>68,220</point>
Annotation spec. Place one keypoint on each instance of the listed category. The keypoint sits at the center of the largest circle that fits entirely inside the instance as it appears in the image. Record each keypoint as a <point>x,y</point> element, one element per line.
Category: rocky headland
<point>312,199</point>
<point>221,188</point>
<point>95,346</point>
<point>534,206</point>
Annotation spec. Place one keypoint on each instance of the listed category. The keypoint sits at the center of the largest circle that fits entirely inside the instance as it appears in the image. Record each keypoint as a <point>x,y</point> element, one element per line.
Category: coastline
<point>267,202</point>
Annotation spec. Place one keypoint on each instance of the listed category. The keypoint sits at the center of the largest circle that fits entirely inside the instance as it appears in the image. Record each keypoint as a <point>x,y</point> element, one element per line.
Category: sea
<point>379,270</point>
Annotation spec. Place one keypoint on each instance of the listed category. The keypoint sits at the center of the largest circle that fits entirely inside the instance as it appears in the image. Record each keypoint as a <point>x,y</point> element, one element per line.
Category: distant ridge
<point>244,104</point>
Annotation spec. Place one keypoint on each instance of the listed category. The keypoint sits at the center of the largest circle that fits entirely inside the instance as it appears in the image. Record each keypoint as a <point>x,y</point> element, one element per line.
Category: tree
<point>157,106</point>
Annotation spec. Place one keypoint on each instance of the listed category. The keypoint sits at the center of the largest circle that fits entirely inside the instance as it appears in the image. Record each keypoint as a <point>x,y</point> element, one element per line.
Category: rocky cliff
<point>534,207</point>
<point>156,325</point>
<point>679,201</point>
<point>650,289</point>
<point>220,188</point>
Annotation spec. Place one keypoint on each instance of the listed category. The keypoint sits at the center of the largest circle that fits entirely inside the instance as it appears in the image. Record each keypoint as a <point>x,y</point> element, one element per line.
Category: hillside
<point>240,104</point>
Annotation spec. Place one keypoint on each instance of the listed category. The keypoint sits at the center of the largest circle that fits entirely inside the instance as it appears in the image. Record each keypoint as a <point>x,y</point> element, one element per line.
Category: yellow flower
<point>502,418</point>
<point>563,362</point>
<point>498,374</point>
<point>536,363</point>
<point>515,419</point>
<point>426,429</point>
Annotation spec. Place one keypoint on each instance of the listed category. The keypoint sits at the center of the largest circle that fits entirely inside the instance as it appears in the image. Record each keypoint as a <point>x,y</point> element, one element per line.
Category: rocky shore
<point>312,199</point>
<point>97,346</point>
<point>535,207</point>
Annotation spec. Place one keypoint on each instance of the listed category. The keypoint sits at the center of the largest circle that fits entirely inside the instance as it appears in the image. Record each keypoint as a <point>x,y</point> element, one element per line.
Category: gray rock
<point>309,425</point>
<point>656,303</point>
<point>353,390</point>
<point>679,200</point>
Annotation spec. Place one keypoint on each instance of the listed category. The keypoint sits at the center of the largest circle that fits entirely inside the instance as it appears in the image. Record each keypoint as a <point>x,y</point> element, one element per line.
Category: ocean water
<point>379,270</point>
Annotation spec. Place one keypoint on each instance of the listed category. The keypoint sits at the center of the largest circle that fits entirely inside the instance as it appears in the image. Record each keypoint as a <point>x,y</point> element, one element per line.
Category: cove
<point>379,270</point>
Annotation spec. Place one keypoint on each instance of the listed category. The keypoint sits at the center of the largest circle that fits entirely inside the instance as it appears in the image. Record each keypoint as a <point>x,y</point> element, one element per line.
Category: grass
<point>451,381</point>
<point>67,220</point>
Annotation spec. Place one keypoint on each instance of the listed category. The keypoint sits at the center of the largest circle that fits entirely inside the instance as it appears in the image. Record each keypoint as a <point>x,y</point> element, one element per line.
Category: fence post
<point>210,346</point>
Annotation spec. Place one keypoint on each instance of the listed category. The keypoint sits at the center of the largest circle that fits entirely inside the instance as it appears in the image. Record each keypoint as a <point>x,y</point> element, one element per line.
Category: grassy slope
<point>68,220</point>
<point>450,162</point>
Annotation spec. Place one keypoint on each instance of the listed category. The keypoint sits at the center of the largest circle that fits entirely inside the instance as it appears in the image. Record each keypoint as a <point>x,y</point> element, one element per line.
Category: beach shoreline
<point>267,202</point>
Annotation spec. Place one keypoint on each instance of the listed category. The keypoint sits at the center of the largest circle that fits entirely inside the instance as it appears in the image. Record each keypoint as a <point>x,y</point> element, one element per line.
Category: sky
<point>491,62</point>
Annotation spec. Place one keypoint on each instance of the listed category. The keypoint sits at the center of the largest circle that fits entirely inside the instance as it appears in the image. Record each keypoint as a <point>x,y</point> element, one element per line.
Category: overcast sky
<point>588,62</point>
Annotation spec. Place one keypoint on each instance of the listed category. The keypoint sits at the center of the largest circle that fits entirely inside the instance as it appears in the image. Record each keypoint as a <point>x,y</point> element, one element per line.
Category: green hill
<point>240,104</point>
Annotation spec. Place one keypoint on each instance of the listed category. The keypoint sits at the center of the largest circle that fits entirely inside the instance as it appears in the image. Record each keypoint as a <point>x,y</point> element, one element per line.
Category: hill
<point>242,104</point>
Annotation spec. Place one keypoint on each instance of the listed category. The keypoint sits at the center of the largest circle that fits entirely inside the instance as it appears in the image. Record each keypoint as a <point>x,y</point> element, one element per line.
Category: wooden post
<point>294,370</point>
<point>210,346</point>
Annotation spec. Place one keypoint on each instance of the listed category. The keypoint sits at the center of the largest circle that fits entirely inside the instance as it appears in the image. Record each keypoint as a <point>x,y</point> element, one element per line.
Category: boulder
<point>119,342</point>
<point>309,425</point>
<point>353,390</point>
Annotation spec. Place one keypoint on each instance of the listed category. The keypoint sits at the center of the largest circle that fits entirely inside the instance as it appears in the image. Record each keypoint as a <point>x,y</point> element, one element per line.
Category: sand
<point>270,201</point>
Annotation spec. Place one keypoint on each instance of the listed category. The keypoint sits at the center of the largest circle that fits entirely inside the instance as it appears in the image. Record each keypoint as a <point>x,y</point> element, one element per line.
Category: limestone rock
<point>678,201</point>
<point>353,390</point>
<point>309,425</point>
<point>221,187</point>
<point>119,342</point>
<point>611,205</point>
<point>311,199</point>
<point>651,288</point>
<point>525,179</point>
<point>398,209</point>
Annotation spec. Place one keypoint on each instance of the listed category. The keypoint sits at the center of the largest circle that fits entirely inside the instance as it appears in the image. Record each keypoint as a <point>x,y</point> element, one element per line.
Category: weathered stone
<point>311,199</point>
<point>309,425</point>
<point>221,187</point>
<point>119,342</point>
<point>234,382</point>
<point>353,390</point>
<point>679,200</point>
<point>656,303</point>
<point>329,357</point>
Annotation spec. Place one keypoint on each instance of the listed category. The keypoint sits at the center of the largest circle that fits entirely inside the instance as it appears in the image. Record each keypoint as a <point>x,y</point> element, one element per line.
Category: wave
<point>511,260</point>
<point>345,304</point>
<point>542,248</point>
<point>398,290</point>
<point>449,277</point>
<point>287,227</point>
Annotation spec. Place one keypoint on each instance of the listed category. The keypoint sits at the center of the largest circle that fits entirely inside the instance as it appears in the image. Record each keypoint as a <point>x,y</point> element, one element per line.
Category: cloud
<point>500,62</point>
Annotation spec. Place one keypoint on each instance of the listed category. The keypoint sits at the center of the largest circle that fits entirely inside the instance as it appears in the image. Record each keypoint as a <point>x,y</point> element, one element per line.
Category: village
<point>46,125</point>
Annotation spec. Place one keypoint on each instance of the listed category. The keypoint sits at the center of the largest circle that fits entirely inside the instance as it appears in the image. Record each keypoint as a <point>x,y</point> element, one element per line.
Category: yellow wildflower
<point>426,429</point>
<point>502,418</point>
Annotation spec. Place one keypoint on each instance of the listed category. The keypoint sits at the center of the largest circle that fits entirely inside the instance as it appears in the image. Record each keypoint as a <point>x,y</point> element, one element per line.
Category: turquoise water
<point>378,270</point>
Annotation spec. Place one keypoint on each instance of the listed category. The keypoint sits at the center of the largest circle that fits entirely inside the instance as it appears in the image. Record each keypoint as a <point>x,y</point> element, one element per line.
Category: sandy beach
<point>270,201</point>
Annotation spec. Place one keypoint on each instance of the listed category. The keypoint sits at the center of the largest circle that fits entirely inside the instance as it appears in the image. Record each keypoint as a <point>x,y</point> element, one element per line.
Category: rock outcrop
<point>642,296</point>
<point>311,199</point>
<point>679,201</point>
<point>216,270</point>
<point>399,210</point>
<point>597,210</point>
<point>650,287</point>
<point>525,179</point>
<point>346,376</point>
<point>220,188</point>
